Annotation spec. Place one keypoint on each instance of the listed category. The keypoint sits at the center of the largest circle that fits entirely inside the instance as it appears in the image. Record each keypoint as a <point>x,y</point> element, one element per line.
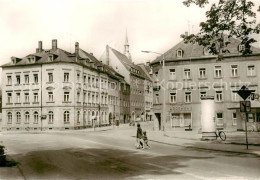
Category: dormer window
<point>179,53</point>
<point>31,60</point>
<point>241,48</point>
<point>50,58</point>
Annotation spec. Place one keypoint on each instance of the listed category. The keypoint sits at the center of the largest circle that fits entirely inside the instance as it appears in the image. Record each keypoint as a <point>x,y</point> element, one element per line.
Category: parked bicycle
<point>220,134</point>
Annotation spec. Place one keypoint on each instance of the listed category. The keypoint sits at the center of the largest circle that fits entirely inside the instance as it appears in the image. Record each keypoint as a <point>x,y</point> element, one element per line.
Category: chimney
<point>37,50</point>
<point>54,44</point>
<point>39,46</point>
<point>148,63</point>
<point>76,49</point>
<point>107,55</point>
<point>91,54</point>
<point>186,33</point>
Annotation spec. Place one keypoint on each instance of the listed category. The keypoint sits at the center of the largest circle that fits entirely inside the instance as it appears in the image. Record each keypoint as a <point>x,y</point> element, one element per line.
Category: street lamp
<point>163,88</point>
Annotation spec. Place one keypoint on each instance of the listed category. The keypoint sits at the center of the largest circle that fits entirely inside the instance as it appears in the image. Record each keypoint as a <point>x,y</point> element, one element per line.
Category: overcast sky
<point>151,25</point>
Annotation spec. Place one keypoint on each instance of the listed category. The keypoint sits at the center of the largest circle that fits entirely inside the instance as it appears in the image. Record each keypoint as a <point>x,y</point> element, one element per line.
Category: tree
<point>226,19</point>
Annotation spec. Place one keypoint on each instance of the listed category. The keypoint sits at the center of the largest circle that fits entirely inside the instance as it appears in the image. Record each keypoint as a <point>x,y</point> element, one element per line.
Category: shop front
<point>253,121</point>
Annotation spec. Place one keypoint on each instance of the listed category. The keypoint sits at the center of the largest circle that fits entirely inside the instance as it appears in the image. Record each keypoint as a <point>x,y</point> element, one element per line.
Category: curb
<point>204,148</point>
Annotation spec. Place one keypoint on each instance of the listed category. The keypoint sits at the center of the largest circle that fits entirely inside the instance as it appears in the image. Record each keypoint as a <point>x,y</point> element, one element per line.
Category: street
<point>110,154</point>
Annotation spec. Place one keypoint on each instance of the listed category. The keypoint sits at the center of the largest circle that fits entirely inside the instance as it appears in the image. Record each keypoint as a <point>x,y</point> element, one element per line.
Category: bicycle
<point>220,134</point>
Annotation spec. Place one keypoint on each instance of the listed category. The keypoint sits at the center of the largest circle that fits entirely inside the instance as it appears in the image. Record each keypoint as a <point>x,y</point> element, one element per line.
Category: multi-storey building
<point>134,75</point>
<point>191,72</point>
<point>55,89</point>
<point>148,92</point>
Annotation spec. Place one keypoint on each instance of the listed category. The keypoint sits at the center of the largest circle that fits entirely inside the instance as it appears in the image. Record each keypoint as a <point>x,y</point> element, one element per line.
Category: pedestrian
<point>145,140</point>
<point>139,135</point>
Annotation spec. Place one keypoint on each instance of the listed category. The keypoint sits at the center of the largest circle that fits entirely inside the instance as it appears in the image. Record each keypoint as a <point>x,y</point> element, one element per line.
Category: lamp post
<point>163,118</point>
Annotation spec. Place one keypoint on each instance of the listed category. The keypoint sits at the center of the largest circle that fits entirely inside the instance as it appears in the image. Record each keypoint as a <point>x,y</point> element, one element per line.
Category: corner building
<point>192,72</point>
<point>55,89</point>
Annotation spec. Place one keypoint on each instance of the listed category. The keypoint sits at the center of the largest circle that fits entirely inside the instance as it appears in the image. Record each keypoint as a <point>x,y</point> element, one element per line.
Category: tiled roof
<point>64,56</point>
<point>61,56</point>
<point>193,50</point>
<point>128,64</point>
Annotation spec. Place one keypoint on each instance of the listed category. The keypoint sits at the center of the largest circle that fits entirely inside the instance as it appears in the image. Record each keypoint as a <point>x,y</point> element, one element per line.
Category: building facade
<point>134,76</point>
<point>190,72</point>
<point>55,89</point>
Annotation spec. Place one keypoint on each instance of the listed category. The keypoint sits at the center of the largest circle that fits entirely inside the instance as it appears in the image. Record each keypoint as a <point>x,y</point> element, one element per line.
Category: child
<point>145,140</point>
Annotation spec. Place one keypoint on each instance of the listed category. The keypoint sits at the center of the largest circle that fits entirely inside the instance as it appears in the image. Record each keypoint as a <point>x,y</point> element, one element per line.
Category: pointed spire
<point>127,53</point>
<point>126,39</point>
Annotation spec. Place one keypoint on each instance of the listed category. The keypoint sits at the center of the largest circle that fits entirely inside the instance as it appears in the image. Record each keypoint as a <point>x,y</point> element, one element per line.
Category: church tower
<point>127,53</point>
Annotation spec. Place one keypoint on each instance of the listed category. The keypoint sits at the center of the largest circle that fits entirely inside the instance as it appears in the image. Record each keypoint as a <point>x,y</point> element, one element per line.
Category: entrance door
<point>158,116</point>
<point>175,120</point>
<point>181,120</point>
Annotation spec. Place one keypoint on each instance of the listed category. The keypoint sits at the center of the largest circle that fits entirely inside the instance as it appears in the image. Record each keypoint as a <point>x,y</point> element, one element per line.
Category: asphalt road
<point>111,155</point>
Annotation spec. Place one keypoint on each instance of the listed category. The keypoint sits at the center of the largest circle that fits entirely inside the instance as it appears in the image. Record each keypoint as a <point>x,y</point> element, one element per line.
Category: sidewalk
<point>234,143</point>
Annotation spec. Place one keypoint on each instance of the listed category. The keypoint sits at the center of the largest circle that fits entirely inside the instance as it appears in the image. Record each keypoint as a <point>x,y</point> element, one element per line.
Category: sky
<point>150,24</point>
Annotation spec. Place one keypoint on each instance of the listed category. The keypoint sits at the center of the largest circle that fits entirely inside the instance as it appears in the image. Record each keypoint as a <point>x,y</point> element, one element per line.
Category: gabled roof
<point>193,50</point>
<point>128,64</point>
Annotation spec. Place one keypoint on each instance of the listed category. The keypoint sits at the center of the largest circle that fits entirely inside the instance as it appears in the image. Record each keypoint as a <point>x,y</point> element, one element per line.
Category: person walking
<point>139,135</point>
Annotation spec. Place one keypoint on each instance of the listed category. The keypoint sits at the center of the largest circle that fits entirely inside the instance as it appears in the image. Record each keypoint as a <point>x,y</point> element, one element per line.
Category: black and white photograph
<point>129,89</point>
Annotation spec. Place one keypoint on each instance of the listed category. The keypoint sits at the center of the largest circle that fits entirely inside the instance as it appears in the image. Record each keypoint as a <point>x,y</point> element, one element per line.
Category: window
<point>9,117</point>
<point>78,77</point>
<point>89,81</point>
<point>156,98</point>
<point>203,94</point>
<point>218,71</point>
<point>241,48</point>
<point>173,97</point>
<point>89,97</point>
<point>172,74</point>
<point>85,78</point>
<point>78,96</point>
<point>35,76</point>
<point>26,79</point>
<point>50,58</point>
<point>27,117</point>
<point>35,97</point>
<point>9,97</point>
<point>84,97</point>
<point>66,77</point>
<point>97,99</point>
<point>26,97</point>
<point>66,96</point>
<point>202,72</point>
<point>18,80</point>
<point>50,77</point>
<point>50,117</point>
<point>234,96</point>
<point>9,80</point>
<point>187,74</point>
<point>93,98</point>
<point>234,70</point>
<point>234,119</point>
<point>50,96</point>
<point>18,117</point>
<point>187,97</point>
<point>251,70</point>
<point>179,53</point>
<point>18,97</point>
<point>220,119</point>
<point>66,117</point>
<point>219,96</point>
<point>78,117</point>
<point>36,117</point>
